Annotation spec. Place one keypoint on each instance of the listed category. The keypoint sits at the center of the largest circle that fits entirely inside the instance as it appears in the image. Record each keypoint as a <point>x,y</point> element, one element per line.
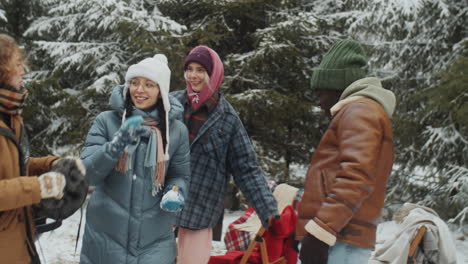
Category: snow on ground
<point>58,246</point>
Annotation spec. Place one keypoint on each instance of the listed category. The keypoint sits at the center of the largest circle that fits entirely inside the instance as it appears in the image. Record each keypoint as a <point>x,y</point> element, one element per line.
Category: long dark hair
<point>161,114</point>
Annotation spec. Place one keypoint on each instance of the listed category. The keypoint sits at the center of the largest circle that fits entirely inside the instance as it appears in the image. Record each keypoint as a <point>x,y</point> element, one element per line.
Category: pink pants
<point>194,246</point>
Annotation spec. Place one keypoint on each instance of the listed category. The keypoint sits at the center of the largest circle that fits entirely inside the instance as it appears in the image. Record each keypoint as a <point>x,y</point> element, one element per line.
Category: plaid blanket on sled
<point>240,240</point>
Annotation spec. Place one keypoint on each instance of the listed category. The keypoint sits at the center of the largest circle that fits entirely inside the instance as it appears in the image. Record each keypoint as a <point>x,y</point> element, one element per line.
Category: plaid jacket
<point>222,148</point>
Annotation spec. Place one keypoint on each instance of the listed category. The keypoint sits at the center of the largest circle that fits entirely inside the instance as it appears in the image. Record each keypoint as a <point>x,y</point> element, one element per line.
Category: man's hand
<point>313,250</point>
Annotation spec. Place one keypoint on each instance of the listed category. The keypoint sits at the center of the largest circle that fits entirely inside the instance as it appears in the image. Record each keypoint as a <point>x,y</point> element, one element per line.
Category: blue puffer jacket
<point>124,223</point>
<point>222,148</point>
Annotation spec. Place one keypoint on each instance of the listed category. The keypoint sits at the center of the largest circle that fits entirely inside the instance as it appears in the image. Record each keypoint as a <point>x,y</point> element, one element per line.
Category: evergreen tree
<point>225,26</point>
<point>413,43</point>
<point>2,16</point>
<point>269,49</point>
<point>277,71</point>
<point>446,128</point>
<point>284,128</point>
<point>16,16</point>
<point>81,50</point>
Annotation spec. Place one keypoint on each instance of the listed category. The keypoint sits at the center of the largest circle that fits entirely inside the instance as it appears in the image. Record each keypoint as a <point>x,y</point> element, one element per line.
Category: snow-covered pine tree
<point>446,117</point>
<point>284,130</point>
<point>225,26</point>
<point>81,50</point>
<point>16,16</point>
<point>2,16</point>
<point>269,49</point>
<point>276,71</point>
<point>414,41</point>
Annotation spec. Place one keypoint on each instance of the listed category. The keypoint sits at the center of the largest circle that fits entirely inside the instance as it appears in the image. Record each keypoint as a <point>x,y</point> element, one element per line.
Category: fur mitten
<point>75,191</point>
<point>52,185</point>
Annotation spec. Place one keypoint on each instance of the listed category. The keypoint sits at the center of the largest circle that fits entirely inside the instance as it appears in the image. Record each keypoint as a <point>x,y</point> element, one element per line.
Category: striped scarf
<point>196,118</point>
<point>159,167</point>
<point>12,100</point>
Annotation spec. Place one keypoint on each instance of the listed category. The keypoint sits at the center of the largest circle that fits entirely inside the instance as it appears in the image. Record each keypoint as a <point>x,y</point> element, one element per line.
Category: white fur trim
<point>320,233</point>
<point>80,165</point>
<point>52,184</point>
<point>338,106</point>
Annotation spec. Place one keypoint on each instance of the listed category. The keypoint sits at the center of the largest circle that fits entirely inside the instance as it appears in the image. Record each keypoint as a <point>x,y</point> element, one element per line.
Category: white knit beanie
<point>156,70</point>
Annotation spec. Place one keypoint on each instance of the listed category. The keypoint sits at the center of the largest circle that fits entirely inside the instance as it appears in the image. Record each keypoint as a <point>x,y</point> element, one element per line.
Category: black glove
<point>313,250</point>
<point>266,223</point>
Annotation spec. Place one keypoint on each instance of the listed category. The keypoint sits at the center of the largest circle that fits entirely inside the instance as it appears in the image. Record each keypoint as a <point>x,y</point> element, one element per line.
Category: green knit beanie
<point>343,64</point>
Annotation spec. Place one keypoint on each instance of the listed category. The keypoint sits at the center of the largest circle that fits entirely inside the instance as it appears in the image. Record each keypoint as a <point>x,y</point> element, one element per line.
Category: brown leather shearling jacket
<point>346,181</point>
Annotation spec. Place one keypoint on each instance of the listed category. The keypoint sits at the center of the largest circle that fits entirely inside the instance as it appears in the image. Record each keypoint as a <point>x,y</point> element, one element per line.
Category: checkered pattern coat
<point>222,148</point>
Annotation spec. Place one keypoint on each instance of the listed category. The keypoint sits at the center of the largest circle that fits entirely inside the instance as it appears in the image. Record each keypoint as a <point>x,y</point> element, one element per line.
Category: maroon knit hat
<point>202,56</point>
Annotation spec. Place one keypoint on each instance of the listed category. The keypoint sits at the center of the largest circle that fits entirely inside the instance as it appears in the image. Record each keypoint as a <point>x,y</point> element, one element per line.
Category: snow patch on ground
<point>58,246</point>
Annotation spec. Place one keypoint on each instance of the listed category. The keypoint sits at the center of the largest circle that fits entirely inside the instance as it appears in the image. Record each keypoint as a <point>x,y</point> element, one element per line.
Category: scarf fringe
<point>156,189</point>
<point>158,181</point>
<point>158,178</point>
<point>122,165</point>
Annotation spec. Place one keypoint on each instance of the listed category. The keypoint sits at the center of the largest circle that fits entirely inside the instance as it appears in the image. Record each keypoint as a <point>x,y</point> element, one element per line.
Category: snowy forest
<point>78,50</point>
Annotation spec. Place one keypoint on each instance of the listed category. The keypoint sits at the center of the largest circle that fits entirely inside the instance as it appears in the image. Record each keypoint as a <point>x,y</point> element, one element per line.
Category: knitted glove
<point>172,201</point>
<point>313,250</point>
<point>129,132</point>
<point>52,185</point>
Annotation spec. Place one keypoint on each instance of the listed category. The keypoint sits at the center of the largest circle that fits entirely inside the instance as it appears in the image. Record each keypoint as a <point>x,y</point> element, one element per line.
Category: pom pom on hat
<point>161,57</point>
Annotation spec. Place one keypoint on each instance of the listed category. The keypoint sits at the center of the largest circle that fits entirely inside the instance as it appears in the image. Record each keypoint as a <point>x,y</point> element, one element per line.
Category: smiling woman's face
<point>143,92</point>
<point>196,75</point>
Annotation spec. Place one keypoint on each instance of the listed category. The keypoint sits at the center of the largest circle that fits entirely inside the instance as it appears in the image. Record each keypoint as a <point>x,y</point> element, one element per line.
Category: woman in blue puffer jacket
<point>133,168</point>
